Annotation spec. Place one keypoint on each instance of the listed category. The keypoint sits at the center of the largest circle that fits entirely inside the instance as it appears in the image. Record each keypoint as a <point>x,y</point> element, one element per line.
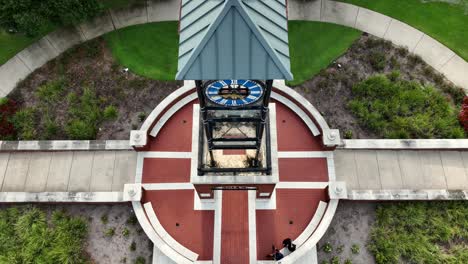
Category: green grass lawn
<point>448,23</point>
<point>420,232</point>
<point>314,45</point>
<point>149,50</point>
<point>10,44</point>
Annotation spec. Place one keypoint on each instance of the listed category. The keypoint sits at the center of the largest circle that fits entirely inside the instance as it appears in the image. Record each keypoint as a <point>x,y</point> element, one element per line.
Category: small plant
<point>324,262</point>
<point>377,60</point>
<point>335,260</point>
<point>414,59</point>
<point>141,116</point>
<point>7,111</point>
<point>3,101</point>
<point>51,91</point>
<point>111,112</point>
<point>348,261</point>
<point>51,128</point>
<point>394,76</point>
<point>140,260</point>
<point>132,219</point>
<point>24,123</point>
<point>355,249</point>
<point>327,248</point>
<point>110,232</point>
<point>348,134</point>
<point>80,130</point>
<point>402,51</point>
<point>104,219</point>
<point>133,246</point>
<point>125,232</point>
<point>463,115</point>
<point>123,260</point>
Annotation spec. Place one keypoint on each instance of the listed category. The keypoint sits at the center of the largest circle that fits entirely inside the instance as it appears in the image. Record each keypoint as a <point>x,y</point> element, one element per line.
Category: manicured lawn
<point>445,22</point>
<point>10,44</point>
<point>149,50</point>
<point>314,45</point>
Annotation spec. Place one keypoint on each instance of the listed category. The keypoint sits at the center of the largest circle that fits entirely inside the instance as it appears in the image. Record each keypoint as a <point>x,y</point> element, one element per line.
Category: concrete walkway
<point>429,169</point>
<point>50,46</point>
<point>66,171</point>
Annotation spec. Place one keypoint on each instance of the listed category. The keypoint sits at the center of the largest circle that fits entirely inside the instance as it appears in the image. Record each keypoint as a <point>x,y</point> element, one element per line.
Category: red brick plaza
<point>233,226</point>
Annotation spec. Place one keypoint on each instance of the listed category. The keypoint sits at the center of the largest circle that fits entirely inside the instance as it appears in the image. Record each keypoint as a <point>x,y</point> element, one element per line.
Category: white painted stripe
<point>167,186</point>
<point>305,154</point>
<point>301,185</point>
<point>252,226</point>
<point>273,143</point>
<point>166,237</point>
<point>218,194</point>
<point>167,154</point>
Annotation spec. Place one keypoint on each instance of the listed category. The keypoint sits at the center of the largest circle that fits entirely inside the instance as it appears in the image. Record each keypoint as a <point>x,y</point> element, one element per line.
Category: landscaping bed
<point>84,94</point>
<point>73,233</point>
<point>431,96</point>
<point>396,232</point>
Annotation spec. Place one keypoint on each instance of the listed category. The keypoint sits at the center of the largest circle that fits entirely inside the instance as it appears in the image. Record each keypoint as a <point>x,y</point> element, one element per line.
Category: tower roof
<point>233,39</point>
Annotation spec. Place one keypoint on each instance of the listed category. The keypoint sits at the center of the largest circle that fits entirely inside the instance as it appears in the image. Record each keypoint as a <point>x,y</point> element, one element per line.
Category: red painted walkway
<point>235,228</point>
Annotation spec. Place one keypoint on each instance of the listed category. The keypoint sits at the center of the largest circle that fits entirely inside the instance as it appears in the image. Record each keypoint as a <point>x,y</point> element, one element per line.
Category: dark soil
<point>330,91</point>
<point>92,65</point>
<point>350,226</point>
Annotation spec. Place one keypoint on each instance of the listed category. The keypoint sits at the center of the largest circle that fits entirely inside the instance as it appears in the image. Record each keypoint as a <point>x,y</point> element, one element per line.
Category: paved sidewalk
<point>66,171</point>
<point>402,169</point>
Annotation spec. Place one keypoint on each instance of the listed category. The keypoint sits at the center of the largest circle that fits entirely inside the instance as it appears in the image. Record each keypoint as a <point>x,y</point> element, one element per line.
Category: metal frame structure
<point>207,125</point>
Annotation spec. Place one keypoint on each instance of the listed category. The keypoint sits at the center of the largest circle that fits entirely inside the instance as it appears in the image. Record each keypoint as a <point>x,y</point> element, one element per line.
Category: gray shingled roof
<point>233,39</point>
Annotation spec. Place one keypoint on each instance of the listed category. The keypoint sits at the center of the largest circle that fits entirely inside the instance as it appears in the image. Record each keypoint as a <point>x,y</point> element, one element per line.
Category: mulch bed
<point>330,91</point>
<point>92,65</point>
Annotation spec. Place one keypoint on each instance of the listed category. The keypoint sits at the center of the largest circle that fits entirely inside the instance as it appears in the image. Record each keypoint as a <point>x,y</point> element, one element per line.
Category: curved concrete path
<point>433,52</point>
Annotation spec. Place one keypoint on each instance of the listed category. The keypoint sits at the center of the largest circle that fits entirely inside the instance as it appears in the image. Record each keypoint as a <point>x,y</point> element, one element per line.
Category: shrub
<point>377,60</point>
<point>80,130</point>
<point>132,219</point>
<point>335,260</point>
<point>24,123</point>
<point>463,115</point>
<point>85,115</point>
<point>29,237</point>
<point>111,112</point>
<point>51,91</point>
<point>33,17</point>
<point>403,109</point>
<point>104,219</point>
<point>348,134</point>
<point>51,128</point>
<point>7,111</point>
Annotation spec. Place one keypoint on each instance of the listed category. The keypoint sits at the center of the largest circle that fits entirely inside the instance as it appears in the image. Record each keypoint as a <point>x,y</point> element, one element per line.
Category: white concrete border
<point>393,195</point>
<point>153,236</point>
<point>439,144</point>
<point>252,226</point>
<point>64,145</point>
<point>165,236</point>
<point>61,197</point>
<point>316,236</point>
<point>313,224</point>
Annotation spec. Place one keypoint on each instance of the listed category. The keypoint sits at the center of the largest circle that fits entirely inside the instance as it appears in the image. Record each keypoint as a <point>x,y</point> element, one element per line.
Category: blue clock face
<point>234,93</point>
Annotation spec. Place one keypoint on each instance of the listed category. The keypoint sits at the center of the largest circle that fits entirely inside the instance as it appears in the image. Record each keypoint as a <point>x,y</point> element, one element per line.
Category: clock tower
<point>234,49</point>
